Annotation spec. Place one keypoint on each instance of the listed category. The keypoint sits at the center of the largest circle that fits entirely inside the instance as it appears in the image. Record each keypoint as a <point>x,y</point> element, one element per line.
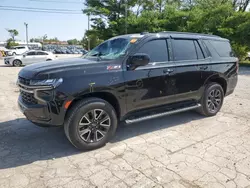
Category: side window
<point>31,53</point>
<point>20,48</point>
<point>184,49</point>
<point>223,48</point>
<point>156,49</point>
<point>41,53</point>
<point>198,50</point>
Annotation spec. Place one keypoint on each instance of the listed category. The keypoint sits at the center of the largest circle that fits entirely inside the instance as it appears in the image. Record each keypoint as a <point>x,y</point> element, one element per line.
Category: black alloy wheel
<point>94,125</point>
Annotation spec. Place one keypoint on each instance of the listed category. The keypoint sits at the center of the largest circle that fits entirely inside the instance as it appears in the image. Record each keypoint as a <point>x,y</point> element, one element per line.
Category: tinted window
<point>184,50</point>
<point>198,50</point>
<point>156,49</point>
<point>31,53</point>
<point>41,53</point>
<point>223,48</point>
<point>20,47</point>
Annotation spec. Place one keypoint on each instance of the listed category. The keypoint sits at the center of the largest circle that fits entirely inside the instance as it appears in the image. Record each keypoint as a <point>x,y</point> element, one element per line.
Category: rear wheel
<point>212,99</point>
<point>17,63</point>
<point>91,123</point>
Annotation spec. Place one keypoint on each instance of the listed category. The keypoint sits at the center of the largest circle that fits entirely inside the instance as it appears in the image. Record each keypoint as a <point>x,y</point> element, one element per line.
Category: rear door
<point>20,50</point>
<point>191,67</point>
<point>151,85</point>
<point>41,56</point>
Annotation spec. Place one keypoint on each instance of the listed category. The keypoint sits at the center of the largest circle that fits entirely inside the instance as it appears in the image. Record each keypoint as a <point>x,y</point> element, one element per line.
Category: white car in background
<point>248,56</point>
<point>17,50</point>
<point>30,57</point>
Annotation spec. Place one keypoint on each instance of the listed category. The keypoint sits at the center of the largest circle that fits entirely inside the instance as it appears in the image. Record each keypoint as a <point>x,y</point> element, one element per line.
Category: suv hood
<point>59,66</point>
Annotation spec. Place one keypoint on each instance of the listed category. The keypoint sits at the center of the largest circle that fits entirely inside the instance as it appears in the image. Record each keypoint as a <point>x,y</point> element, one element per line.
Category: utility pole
<point>27,39</point>
<point>126,16</point>
<point>88,32</point>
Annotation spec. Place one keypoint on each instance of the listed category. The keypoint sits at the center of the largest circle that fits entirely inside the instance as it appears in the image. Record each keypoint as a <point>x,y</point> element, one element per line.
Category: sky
<point>62,26</point>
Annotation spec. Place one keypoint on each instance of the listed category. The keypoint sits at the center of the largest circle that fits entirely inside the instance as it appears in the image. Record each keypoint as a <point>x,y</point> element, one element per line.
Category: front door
<point>191,66</point>
<point>151,85</point>
<point>29,58</point>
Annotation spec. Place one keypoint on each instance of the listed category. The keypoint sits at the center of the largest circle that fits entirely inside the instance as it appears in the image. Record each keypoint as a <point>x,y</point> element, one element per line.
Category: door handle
<point>168,71</point>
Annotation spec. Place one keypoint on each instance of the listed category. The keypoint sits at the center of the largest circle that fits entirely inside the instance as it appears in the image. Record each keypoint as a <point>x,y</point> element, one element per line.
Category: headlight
<point>49,82</point>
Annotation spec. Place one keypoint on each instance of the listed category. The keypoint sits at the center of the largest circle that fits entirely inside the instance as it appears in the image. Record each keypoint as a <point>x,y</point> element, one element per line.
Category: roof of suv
<point>174,34</point>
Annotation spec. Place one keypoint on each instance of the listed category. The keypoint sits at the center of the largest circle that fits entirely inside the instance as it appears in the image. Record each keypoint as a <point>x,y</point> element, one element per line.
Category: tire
<point>80,113</point>
<point>17,63</point>
<point>212,100</point>
<point>48,59</point>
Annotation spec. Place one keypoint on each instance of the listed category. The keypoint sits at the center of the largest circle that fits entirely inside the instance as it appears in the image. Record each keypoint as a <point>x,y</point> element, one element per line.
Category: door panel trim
<point>157,65</point>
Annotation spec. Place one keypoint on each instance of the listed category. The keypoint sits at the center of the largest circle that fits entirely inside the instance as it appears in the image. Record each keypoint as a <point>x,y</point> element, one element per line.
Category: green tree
<point>226,18</point>
<point>92,37</point>
<point>73,42</point>
<point>11,43</point>
<point>13,33</point>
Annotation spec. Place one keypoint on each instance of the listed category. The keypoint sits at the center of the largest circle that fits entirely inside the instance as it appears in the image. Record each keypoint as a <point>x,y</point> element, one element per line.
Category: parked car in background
<point>129,78</point>
<point>17,50</point>
<point>29,57</point>
<point>248,56</point>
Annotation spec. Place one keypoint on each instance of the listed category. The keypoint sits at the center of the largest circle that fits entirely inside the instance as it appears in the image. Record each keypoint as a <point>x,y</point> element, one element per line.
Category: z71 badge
<point>113,67</point>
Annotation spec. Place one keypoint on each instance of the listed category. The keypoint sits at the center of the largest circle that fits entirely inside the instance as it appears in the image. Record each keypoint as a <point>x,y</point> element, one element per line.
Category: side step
<point>129,121</point>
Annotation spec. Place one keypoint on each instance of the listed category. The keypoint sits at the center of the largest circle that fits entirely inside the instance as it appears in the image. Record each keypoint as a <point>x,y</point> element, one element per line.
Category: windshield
<point>110,49</point>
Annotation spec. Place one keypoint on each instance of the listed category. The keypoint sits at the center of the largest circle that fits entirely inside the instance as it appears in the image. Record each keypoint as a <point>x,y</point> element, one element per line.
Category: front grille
<point>23,81</point>
<point>28,97</point>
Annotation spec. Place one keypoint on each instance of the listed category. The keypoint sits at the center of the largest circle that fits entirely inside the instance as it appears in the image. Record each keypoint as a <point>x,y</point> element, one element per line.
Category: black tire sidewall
<point>208,89</point>
<point>74,123</point>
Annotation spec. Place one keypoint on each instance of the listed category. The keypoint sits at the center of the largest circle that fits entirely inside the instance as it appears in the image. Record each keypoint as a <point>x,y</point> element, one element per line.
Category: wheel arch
<point>218,79</point>
<point>107,96</point>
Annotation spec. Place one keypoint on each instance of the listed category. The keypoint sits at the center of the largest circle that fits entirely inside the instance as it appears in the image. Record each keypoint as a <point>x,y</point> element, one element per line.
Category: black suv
<point>128,78</point>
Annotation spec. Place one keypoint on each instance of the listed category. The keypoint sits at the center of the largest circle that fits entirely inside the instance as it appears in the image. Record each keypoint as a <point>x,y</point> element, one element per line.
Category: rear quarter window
<point>222,48</point>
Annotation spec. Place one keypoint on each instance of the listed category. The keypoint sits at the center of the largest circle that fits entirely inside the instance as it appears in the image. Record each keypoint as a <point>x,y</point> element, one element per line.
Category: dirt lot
<point>184,150</point>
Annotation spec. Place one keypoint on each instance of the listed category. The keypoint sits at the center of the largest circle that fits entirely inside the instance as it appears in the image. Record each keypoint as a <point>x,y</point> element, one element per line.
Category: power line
<point>54,1</point>
<point>22,10</point>
<point>33,8</point>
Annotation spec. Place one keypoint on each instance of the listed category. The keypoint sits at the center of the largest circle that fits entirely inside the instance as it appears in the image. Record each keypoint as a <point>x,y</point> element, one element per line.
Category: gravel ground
<point>183,150</point>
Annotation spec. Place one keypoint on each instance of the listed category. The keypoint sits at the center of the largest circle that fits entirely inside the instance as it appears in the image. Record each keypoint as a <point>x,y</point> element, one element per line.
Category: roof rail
<point>201,34</point>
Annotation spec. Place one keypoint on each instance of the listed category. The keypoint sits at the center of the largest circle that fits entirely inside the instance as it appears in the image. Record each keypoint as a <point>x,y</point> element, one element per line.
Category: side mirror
<point>137,60</point>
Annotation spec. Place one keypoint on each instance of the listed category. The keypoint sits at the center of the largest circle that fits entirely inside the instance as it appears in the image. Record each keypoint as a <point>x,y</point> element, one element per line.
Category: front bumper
<point>36,113</point>
<point>42,113</point>
<point>7,61</point>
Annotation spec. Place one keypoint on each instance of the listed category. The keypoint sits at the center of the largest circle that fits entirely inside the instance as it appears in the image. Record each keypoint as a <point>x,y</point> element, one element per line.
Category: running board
<point>129,121</point>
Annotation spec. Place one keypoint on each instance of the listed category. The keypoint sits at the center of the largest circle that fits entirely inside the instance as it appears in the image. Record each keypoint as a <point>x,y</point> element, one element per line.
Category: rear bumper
<point>231,84</point>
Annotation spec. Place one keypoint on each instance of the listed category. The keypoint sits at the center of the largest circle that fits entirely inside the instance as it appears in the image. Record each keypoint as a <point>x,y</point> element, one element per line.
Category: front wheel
<point>17,63</point>
<point>90,124</point>
<point>212,99</point>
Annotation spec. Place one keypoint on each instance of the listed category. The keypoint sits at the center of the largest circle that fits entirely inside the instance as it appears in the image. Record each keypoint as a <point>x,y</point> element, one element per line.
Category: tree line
<point>226,18</point>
